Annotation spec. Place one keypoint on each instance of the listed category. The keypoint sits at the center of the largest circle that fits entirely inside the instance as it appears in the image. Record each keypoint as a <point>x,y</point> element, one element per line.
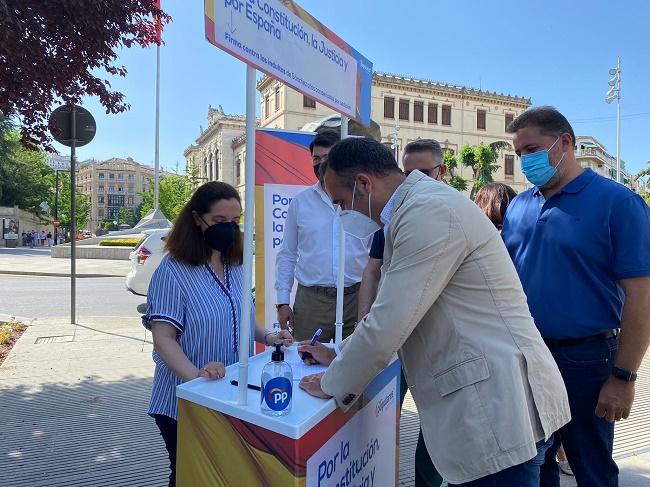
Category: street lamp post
<point>615,93</point>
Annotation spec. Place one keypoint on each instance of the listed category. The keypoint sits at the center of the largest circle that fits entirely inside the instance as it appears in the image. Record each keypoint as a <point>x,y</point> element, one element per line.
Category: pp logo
<point>277,393</point>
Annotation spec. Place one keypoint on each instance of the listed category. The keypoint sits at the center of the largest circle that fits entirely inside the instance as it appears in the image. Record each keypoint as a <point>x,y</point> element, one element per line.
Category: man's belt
<point>331,291</point>
<point>563,342</point>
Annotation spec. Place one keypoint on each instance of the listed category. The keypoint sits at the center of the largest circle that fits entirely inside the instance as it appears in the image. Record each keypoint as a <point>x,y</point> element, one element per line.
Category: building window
<point>116,200</point>
<point>403,109</point>
<point>238,169</point>
<point>130,200</point>
<point>101,176</point>
<point>480,119</point>
<point>433,113</point>
<point>446,114</point>
<point>131,178</point>
<point>510,165</point>
<point>100,200</point>
<point>308,102</point>
<point>277,98</point>
<point>100,213</point>
<point>101,189</point>
<point>111,176</point>
<point>267,112</point>
<point>389,107</point>
<point>120,177</point>
<point>509,118</point>
<point>418,111</point>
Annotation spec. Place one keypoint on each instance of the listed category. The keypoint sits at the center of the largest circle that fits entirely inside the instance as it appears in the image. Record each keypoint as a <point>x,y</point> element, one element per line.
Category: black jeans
<point>167,427</point>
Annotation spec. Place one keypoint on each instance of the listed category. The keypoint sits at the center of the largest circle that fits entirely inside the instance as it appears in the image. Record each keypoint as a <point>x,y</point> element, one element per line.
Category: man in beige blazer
<point>487,389</point>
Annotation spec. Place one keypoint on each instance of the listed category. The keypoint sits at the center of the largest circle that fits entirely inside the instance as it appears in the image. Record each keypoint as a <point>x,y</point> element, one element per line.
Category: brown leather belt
<point>563,342</point>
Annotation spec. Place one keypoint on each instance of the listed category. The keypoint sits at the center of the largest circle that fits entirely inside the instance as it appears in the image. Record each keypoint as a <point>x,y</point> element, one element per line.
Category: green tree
<point>455,181</point>
<point>482,159</point>
<point>25,179</point>
<point>175,190</point>
<point>65,212</point>
<point>126,216</point>
<point>643,180</point>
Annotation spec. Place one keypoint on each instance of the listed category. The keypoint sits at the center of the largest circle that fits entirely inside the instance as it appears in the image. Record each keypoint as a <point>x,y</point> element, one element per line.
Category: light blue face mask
<point>537,167</point>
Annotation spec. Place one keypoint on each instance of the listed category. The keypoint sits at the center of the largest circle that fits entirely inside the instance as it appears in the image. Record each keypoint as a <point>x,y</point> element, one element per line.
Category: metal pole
<point>56,207</point>
<point>249,203</point>
<point>156,171</point>
<point>618,124</point>
<point>344,127</point>
<point>73,223</point>
<point>340,277</point>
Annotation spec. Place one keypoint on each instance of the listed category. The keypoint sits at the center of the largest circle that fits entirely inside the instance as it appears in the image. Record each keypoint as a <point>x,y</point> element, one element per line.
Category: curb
<point>55,274</point>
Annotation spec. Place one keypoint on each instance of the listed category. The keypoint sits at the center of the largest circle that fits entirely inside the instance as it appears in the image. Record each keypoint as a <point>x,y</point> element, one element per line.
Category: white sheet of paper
<point>300,369</point>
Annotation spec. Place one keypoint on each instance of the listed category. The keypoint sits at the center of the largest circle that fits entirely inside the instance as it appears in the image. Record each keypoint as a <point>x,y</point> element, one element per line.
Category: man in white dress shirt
<point>309,255</point>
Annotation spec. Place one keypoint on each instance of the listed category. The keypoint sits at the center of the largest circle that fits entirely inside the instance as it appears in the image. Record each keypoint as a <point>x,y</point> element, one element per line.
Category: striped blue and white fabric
<point>205,311</point>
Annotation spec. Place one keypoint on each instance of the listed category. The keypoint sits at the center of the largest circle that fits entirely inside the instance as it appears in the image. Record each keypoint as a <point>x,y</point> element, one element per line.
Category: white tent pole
<point>340,278</point>
<point>249,209</point>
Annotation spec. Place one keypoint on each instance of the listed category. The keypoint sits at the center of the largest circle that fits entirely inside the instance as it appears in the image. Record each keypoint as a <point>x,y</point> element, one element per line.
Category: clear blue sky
<point>556,52</point>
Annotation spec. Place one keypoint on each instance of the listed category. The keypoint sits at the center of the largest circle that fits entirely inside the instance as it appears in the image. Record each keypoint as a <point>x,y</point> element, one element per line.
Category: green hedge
<point>121,242</point>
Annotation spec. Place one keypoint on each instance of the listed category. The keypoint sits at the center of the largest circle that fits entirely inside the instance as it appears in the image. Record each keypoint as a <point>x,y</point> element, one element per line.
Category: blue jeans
<point>587,439</point>
<point>523,475</point>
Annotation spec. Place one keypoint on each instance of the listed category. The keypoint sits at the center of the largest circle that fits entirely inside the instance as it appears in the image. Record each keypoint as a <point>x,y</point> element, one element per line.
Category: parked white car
<point>145,259</point>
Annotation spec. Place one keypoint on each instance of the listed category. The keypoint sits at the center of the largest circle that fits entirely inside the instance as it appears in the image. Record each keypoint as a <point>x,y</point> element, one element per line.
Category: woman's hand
<point>212,370</point>
<point>284,336</point>
<point>320,354</point>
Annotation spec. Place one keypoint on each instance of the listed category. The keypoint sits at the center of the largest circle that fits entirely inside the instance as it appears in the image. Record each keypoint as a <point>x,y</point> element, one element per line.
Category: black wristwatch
<point>624,374</point>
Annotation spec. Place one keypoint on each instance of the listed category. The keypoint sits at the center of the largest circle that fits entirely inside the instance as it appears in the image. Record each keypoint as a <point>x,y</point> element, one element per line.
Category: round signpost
<point>72,126</point>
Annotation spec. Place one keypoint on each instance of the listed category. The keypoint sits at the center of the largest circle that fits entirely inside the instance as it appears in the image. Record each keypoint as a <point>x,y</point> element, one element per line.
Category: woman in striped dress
<point>194,302</point>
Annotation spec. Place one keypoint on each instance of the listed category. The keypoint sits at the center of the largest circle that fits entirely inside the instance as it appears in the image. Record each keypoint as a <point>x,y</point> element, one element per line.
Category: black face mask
<point>317,171</point>
<point>220,236</point>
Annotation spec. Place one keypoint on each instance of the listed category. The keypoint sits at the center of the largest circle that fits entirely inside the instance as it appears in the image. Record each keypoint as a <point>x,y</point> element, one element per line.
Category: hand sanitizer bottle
<point>277,385</point>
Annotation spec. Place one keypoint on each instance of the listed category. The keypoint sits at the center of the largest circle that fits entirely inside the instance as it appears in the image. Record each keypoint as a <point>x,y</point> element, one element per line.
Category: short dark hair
<point>422,145</point>
<point>546,118</point>
<point>356,154</point>
<point>494,199</point>
<point>186,243</point>
<point>324,138</point>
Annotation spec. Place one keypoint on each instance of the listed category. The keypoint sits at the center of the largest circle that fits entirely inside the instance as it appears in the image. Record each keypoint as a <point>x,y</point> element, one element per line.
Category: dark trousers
<point>426,474</point>
<point>526,474</point>
<point>587,439</point>
<point>167,427</point>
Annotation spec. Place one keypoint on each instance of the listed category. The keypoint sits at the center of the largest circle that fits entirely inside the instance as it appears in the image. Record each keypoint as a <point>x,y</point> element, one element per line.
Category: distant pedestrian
<point>30,239</point>
<point>49,239</point>
<point>36,238</point>
<point>23,239</point>
<point>43,238</point>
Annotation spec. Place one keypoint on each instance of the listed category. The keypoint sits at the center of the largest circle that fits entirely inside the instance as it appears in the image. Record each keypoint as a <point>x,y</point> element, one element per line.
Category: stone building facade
<point>111,185</point>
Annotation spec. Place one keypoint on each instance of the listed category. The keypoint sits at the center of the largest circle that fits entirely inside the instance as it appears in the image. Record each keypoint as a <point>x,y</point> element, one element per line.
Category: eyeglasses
<point>425,171</point>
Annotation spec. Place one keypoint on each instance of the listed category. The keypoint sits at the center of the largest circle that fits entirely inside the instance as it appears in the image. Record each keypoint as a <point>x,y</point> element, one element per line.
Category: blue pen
<point>313,341</point>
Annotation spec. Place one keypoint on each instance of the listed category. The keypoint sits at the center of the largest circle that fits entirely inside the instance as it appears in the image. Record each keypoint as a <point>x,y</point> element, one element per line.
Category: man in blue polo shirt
<point>581,245</point>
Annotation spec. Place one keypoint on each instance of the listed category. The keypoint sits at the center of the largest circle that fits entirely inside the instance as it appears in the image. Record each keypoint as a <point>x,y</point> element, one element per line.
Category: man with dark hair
<point>580,244</point>
<point>424,155</point>
<point>487,389</point>
<point>309,255</point>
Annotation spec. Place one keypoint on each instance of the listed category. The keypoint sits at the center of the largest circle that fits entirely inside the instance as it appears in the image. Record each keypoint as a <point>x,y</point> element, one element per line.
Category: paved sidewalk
<point>74,412</point>
<point>37,262</point>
